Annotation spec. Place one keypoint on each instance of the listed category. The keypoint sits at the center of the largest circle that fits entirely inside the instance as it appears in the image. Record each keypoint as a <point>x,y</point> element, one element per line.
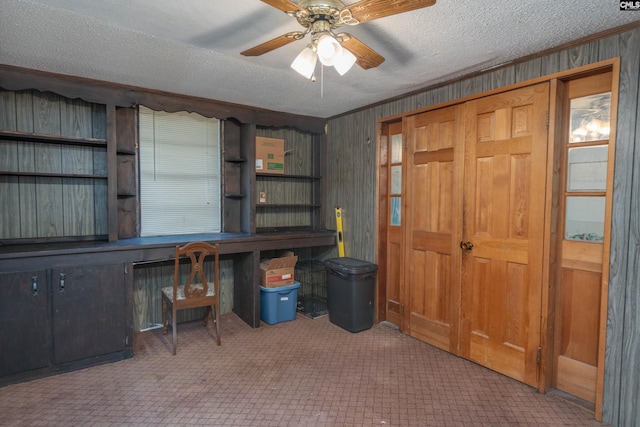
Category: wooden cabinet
<point>88,311</point>
<point>61,318</point>
<point>25,332</point>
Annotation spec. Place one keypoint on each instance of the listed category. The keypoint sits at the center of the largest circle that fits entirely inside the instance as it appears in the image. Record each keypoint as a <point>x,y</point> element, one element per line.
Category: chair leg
<point>175,331</point>
<point>207,309</point>
<point>164,315</point>
<point>216,323</point>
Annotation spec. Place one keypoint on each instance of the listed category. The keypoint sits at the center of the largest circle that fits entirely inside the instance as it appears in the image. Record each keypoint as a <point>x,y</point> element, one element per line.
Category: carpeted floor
<point>307,372</point>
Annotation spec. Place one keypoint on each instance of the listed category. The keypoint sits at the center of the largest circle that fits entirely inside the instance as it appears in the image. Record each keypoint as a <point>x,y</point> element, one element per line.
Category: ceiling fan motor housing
<point>315,11</point>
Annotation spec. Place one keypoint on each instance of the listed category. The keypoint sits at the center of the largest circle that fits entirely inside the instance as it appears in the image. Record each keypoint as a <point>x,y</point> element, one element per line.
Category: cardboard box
<point>276,272</point>
<point>270,155</point>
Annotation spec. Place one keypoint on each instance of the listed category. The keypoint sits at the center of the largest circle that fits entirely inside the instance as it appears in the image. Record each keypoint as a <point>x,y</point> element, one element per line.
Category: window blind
<point>179,173</point>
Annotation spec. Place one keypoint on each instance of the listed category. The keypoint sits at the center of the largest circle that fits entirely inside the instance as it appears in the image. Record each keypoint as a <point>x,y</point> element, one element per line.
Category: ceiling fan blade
<point>283,5</point>
<point>273,44</point>
<point>368,10</point>
<point>365,56</point>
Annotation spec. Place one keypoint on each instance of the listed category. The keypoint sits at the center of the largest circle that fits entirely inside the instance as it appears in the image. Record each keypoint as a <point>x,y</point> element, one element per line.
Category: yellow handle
<point>339,229</point>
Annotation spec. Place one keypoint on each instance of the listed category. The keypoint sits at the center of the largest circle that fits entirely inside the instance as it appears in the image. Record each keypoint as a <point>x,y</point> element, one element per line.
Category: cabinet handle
<point>34,285</point>
<point>62,276</point>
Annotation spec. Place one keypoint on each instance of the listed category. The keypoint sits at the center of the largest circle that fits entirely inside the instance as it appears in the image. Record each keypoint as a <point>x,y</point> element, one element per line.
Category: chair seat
<point>168,291</point>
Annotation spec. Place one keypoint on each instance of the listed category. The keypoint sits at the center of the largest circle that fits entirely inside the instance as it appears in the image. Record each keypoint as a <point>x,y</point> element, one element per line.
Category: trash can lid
<point>350,265</point>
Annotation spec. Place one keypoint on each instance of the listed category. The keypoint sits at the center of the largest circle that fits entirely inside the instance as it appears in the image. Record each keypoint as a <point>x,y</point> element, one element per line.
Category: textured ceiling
<point>192,46</point>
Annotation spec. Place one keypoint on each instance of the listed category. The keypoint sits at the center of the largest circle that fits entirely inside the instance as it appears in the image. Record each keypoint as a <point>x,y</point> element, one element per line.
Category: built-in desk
<point>245,249</point>
<point>64,306</point>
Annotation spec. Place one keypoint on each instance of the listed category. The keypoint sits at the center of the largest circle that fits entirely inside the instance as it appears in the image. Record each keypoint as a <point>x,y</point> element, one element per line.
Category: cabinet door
<point>88,311</point>
<point>24,322</point>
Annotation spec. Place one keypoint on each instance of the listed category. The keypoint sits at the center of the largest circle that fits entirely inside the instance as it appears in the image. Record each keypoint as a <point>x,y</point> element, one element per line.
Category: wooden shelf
<point>53,175</point>
<point>52,139</point>
<point>284,176</point>
<point>284,229</point>
<point>288,205</point>
<point>234,196</point>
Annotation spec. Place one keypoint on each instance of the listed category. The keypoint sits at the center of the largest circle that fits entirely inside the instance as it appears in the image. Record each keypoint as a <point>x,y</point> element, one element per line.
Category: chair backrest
<point>196,252</point>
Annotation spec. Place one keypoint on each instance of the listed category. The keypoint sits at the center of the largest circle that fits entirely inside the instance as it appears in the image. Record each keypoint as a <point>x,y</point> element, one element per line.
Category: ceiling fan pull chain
<point>321,81</point>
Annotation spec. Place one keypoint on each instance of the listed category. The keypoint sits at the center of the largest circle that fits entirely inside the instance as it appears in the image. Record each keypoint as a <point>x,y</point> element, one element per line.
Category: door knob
<point>467,246</point>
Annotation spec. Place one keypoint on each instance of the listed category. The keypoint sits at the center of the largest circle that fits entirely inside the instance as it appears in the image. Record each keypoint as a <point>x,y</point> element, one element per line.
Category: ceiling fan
<point>321,18</point>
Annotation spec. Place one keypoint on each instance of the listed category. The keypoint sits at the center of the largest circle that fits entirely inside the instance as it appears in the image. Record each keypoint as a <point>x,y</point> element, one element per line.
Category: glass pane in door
<point>585,218</point>
<point>587,168</point>
<point>396,148</point>
<point>590,118</point>
<point>395,211</point>
<point>396,180</point>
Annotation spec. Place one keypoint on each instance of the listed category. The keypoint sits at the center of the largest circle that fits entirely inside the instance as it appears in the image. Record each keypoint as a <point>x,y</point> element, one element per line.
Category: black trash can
<point>351,287</point>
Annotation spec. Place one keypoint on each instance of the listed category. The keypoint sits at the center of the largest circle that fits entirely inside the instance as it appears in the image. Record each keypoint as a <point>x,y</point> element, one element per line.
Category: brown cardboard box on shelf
<point>278,271</point>
<point>270,155</point>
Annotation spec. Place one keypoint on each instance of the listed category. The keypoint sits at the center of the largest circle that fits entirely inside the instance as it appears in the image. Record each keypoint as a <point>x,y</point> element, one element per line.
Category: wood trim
<point>248,178</point>
<point>112,172</point>
<point>604,290</point>
<point>583,256</point>
<point>550,238</point>
<point>381,213</point>
<point>101,92</point>
<point>322,164</point>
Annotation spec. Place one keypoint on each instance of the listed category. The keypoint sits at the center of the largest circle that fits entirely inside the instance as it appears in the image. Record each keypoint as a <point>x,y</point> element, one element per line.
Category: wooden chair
<point>196,291</point>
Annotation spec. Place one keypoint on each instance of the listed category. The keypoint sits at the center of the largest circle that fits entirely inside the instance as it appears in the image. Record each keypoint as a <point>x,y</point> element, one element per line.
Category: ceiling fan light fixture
<point>344,62</point>
<point>329,49</point>
<point>305,62</point>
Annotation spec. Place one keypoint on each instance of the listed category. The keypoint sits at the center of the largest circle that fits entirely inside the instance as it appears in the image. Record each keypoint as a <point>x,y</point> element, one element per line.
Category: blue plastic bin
<point>278,304</point>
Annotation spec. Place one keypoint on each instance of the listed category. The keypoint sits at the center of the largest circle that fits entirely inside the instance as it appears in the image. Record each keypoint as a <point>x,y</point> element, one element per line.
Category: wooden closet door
<point>432,231</point>
<point>503,223</point>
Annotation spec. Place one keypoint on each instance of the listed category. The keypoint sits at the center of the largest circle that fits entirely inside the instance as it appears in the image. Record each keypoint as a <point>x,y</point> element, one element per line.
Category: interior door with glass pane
<point>585,213</point>
<point>394,227</point>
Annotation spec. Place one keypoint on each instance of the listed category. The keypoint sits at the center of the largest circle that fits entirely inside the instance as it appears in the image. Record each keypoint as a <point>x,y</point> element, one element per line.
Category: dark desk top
<point>147,249</point>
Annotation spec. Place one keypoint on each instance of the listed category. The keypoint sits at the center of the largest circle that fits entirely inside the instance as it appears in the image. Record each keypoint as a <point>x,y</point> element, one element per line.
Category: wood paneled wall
<point>351,180</point>
<point>351,183</point>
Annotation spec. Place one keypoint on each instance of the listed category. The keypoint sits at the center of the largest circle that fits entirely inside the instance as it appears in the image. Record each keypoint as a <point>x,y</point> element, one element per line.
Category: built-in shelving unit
<point>70,244</point>
<point>54,168</point>
<point>235,164</point>
<point>293,200</point>
<point>127,188</point>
